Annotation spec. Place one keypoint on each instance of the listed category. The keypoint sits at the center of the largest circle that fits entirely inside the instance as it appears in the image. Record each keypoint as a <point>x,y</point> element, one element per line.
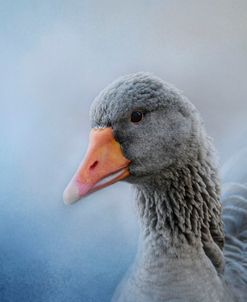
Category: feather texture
<point>184,254</point>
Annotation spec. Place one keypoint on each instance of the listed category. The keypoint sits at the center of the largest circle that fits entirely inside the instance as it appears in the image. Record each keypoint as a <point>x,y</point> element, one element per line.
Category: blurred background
<point>55,58</point>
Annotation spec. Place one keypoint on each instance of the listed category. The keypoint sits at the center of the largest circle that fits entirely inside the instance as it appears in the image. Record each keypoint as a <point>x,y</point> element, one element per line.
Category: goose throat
<point>182,207</point>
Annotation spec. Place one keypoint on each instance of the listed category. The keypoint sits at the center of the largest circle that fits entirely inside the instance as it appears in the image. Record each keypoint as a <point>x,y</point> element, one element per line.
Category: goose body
<point>147,133</point>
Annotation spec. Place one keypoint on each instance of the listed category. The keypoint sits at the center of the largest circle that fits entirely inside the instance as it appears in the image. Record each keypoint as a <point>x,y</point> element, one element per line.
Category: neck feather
<point>181,207</point>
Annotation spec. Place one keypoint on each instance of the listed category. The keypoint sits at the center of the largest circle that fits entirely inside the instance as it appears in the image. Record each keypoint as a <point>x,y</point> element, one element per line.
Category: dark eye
<point>136,116</point>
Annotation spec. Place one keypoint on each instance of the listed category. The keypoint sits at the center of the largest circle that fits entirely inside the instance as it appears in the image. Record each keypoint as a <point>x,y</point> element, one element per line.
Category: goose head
<point>142,128</point>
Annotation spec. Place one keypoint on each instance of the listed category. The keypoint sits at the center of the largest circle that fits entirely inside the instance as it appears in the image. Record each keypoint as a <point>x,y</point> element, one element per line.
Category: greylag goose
<point>144,131</point>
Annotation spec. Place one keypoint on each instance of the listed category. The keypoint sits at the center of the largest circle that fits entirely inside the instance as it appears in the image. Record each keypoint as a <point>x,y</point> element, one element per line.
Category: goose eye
<point>136,116</point>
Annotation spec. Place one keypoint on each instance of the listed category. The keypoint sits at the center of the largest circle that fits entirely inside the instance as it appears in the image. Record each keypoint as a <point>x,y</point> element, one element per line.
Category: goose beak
<point>103,165</point>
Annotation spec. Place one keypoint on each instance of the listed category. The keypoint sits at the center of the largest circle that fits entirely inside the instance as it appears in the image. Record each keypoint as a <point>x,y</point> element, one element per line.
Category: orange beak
<point>103,165</point>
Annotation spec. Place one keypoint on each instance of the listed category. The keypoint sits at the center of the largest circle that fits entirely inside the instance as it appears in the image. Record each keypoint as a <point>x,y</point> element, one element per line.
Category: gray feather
<point>175,174</point>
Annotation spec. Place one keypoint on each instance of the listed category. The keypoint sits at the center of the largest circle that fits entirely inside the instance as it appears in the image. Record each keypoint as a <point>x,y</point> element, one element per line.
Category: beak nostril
<point>93,165</point>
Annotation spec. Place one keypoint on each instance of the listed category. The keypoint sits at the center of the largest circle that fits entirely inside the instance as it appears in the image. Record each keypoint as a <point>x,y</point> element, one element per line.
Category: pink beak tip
<point>75,191</point>
<point>71,193</point>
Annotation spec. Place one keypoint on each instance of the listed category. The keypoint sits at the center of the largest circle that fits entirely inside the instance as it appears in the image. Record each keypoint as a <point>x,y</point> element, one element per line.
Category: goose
<point>147,133</point>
